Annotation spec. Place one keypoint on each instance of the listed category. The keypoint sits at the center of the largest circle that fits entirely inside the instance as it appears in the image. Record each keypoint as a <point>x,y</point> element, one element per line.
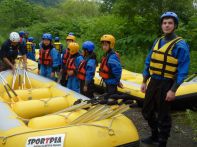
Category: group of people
<point>166,67</point>
<point>77,69</point>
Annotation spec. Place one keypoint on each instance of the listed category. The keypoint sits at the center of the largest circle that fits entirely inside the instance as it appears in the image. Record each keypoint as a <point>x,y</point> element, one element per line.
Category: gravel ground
<point>181,132</point>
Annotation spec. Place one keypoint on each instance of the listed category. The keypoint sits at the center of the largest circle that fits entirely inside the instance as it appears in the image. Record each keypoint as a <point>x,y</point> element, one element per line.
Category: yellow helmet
<point>110,39</point>
<point>71,37</point>
<point>73,47</point>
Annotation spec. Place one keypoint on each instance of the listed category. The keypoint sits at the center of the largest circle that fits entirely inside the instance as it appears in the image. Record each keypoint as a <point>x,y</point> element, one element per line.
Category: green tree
<point>17,13</point>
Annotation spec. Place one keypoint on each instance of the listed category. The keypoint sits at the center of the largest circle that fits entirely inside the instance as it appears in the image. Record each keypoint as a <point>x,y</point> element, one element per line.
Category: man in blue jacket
<point>30,45</point>
<point>167,66</point>
<point>49,60</point>
<point>110,69</point>
<point>86,70</point>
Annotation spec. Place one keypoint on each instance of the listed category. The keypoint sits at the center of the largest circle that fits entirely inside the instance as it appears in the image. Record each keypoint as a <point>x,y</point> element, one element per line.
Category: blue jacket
<point>90,70</point>
<point>181,52</point>
<point>115,68</point>
<point>55,57</point>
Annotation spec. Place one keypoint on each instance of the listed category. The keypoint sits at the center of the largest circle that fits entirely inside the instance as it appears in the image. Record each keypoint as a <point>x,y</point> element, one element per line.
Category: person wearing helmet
<point>49,60</point>
<point>9,52</point>
<point>166,66</point>
<point>65,55</point>
<point>58,45</point>
<point>22,39</point>
<point>86,70</point>
<point>110,68</point>
<point>30,45</point>
<point>26,36</point>
<point>72,65</point>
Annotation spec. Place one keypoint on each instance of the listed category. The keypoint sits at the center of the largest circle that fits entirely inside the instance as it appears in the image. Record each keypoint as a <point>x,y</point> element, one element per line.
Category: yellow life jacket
<point>29,46</point>
<point>57,45</point>
<point>162,62</point>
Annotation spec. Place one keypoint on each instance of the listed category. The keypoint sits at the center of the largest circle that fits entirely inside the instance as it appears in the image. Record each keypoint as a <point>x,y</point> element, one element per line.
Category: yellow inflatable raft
<point>41,113</point>
<point>186,95</point>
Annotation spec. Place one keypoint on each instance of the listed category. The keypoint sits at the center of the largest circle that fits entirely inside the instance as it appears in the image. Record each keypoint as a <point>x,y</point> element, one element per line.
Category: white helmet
<point>14,37</point>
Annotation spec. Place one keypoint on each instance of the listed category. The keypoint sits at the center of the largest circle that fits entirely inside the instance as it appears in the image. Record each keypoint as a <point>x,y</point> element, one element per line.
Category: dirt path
<point>181,132</point>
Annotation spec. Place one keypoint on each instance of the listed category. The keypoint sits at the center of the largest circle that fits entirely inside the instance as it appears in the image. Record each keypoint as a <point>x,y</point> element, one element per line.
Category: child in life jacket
<point>110,68</point>
<point>65,55</point>
<point>48,58</point>
<point>72,65</point>
<point>86,70</point>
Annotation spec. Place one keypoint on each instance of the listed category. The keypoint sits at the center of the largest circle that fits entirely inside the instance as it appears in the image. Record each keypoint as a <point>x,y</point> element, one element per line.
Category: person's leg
<point>3,66</point>
<point>42,70</point>
<point>76,84</point>
<point>164,116</point>
<point>148,112</point>
<point>110,90</point>
<point>90,92</point>
<point>63,80</point>
<point>82,83</point>
<point>69,83</point>
<point>48,74</point>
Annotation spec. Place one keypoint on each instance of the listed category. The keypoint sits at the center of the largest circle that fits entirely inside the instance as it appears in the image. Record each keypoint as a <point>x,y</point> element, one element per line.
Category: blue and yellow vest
<point>57,45</point>
<point>162,62</point>
<point>29,46</point>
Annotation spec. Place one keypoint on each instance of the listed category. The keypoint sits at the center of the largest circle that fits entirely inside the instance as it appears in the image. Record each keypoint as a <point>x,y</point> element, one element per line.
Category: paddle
<point>6,86</point>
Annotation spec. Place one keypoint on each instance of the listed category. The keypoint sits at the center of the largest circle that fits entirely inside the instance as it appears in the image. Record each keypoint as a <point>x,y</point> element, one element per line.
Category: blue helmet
<point>89,46</point>
<point>21,33</point>
<point>31,39</point>
<point>57,39</point>
<point>47,36</point>
<point>170,14</point>
<point>71,33</point>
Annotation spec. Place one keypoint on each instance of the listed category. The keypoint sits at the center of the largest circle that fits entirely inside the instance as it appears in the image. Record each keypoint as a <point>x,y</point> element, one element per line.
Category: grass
<point>192,117</point>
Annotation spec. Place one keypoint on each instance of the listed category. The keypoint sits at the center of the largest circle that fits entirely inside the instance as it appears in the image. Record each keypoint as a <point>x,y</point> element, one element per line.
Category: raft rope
<point>49,99</point>
<point>111,131</point>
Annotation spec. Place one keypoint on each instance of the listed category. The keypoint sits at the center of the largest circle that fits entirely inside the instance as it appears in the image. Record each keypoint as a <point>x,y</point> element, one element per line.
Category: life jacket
<point>45,57</point>
<point>21,40</point>
<point>81,73</point>
<point>57,45</point>
<point>65,57</point>
<point>162,62</point>
<point>70,65</point>
<point>104,70</point>
<point>29,46</point>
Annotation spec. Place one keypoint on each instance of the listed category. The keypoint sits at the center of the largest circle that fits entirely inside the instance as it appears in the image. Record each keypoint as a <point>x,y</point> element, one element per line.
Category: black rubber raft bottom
<point>132,144</point>
<point>183,102</point>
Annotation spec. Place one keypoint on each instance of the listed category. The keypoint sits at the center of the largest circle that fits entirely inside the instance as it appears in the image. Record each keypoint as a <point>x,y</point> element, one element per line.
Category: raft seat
<point>35,108</point>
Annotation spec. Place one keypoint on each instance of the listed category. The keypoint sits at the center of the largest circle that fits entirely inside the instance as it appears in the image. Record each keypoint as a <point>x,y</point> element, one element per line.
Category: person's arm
<point>3,55</point>
<point>90,70</point>
<point>146,73</point>
<point>115,66</point>
<point>78,61</point>
<point>55,60</point>
<point>7,61</point>
<point>183,57</point>
<point>24,61</point>
<point>34,48</point>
